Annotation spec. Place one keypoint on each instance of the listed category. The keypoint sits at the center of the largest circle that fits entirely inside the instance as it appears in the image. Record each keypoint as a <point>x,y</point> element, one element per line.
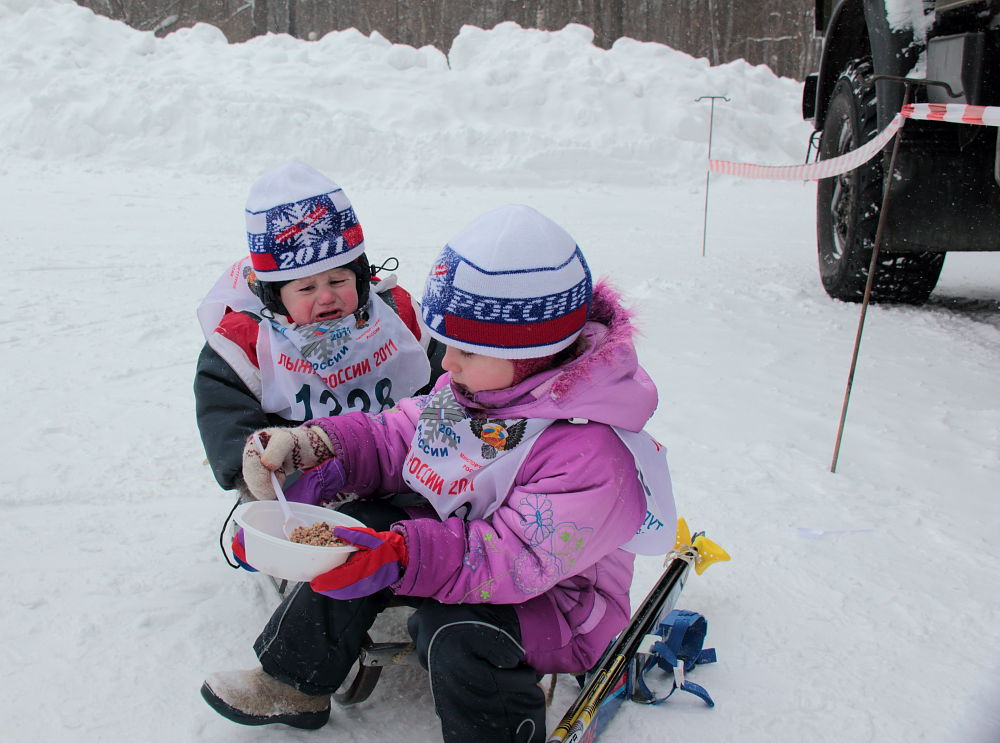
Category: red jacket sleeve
<point>406,310</point>
<point>241,330</point>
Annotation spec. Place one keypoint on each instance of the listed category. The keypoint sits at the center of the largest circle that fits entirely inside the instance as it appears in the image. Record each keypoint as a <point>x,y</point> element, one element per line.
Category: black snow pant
<point>482,689</point>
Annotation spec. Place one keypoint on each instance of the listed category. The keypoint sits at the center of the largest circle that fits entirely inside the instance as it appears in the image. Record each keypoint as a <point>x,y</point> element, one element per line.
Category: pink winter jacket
<point>571,592</point>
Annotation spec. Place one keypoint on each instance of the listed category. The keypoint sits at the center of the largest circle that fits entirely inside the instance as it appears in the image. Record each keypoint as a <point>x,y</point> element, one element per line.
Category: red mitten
<point>378,563</point>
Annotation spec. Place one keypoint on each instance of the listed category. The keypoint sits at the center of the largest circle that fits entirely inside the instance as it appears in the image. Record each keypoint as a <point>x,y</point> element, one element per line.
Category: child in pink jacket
<point>528,462</point>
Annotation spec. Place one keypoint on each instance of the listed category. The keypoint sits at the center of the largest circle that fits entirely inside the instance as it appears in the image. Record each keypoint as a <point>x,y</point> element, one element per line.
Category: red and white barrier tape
<point>955,112</point>
<point>821,169</point>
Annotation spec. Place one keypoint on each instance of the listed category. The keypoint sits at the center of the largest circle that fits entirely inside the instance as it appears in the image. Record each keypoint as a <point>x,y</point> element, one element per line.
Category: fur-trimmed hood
<point>603,383</point>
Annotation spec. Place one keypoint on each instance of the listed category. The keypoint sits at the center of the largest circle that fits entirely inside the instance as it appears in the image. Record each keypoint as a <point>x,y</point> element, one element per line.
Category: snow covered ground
<point>858,606</point>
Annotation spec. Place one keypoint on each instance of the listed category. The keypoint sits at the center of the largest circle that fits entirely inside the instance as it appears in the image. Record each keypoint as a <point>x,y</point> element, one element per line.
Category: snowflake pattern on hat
<point>303,234</point>
<point>291,235</point>
<point>302,224</point>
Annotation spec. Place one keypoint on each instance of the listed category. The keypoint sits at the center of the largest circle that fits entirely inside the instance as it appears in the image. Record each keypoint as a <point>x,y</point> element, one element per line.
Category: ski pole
<point>582,723</point>
<point>578,719</point>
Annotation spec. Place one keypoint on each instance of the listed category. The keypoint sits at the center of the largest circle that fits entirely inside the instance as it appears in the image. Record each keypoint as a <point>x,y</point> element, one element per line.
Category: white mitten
<point>285,450</point>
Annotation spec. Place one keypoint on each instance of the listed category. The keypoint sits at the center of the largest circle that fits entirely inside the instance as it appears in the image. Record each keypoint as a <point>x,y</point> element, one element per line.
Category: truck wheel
<point>848,206</point>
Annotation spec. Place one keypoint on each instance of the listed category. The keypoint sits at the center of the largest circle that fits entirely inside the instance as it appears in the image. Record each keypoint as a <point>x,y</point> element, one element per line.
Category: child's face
<point>476,372</point>
<point>322,296</point>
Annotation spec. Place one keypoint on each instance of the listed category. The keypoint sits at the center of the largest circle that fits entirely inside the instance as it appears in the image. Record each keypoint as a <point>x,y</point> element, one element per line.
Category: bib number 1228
<point>358,399</point>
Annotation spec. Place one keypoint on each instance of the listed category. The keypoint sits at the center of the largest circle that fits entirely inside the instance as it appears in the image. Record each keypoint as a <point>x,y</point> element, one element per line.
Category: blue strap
<point>699,691</point>
<point>683,633</point>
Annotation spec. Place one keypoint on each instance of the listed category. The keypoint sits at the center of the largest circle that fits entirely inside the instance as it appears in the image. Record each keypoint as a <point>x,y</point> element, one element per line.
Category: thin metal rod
<point>708,177</point>
<point>708,173</point>
<point>872,267</point>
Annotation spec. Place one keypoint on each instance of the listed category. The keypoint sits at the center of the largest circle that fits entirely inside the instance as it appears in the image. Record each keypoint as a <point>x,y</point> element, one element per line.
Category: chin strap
<point>384,265</point>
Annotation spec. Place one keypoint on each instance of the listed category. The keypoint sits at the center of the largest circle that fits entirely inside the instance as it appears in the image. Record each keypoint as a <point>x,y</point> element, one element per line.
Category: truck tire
<point>848,206</point>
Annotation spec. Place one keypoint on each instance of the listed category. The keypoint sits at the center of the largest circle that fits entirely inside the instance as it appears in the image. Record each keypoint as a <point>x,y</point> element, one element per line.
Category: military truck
<point>945,193</point>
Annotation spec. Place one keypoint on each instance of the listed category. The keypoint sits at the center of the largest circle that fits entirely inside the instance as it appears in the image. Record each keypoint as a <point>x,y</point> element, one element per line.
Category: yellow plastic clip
<point>683,538</point>
<point>709,553</point>
<point>706,552</point>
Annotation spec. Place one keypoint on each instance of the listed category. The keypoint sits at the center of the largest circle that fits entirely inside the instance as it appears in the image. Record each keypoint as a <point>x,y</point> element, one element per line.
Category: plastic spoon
<point>292,522</point>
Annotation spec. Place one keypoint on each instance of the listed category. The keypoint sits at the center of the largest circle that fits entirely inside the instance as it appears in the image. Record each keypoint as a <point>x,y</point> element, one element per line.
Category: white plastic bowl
<point>270,552</point>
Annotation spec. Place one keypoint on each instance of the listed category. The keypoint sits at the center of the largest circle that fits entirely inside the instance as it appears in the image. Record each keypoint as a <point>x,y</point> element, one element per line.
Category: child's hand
<point>285,450</point>
<point>378,563</point>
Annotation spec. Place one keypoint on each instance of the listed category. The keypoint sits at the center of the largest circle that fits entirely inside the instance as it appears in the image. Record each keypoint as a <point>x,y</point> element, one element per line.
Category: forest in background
<point>778,33</point>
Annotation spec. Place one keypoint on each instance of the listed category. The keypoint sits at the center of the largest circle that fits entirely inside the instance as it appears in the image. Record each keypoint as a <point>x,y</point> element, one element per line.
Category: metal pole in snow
<point>872,267</point>
<point>708,173</point>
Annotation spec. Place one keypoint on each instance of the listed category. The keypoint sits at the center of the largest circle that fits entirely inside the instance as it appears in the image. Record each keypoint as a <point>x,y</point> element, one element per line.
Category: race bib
<point>466,466</point>
<point>327,369</point>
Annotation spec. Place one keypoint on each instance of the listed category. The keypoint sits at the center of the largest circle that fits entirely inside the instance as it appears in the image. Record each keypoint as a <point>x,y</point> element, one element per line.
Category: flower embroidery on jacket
<point>536,511</point>
<point>475,556</point>
<point>567,540</point>
<point>482,590</point>
<point>535,570</point>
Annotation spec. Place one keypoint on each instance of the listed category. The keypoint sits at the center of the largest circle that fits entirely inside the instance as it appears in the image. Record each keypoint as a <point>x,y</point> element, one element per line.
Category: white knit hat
<point>513,285</point>
<point>300,223</point>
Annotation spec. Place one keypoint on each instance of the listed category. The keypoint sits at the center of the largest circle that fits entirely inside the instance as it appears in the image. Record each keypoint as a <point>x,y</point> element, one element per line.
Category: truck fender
<point>857,29</point>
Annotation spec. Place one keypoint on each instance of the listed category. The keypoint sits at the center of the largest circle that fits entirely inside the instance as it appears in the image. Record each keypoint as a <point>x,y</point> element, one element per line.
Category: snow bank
<point>548,107</point>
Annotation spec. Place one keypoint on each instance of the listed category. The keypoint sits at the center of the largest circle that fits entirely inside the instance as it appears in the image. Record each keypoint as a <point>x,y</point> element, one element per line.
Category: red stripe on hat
<point>353,235</point>
<point>287,233</point>
<point>510,335</point>
<point>300,226</point>
<point>315,214</point>
<point>263,262</point>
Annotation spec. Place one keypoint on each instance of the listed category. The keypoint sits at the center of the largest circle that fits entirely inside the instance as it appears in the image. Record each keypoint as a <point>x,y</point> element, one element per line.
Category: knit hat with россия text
<point>513,284</point>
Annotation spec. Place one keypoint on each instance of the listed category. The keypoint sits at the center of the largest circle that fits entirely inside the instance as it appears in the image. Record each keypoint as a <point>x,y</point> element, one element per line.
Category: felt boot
<point>254,698</point>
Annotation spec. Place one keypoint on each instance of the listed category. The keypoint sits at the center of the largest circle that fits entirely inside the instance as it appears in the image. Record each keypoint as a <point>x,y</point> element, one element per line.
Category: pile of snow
<point>502,104</point>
